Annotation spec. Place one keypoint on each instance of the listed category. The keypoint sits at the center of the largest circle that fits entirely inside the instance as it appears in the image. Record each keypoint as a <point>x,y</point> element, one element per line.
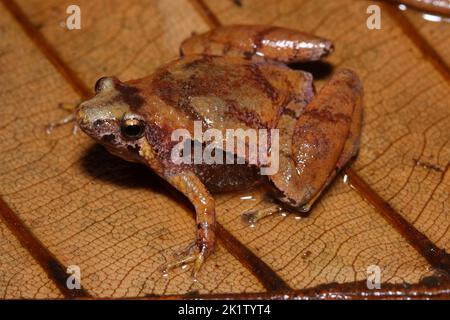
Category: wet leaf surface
<point>118,222</point>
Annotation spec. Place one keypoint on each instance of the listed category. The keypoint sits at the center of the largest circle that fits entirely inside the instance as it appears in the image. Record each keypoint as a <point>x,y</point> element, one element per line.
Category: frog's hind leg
<point>258,41</point>
<point>301,95</point>
<point>325,138</point>
<point>252,217</point>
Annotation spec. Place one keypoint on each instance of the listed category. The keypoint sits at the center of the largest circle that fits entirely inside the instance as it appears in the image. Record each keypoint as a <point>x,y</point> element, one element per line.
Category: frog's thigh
<point>270,42</point>
<point>351,146</point>
<point>350,149</point>
<point>325,137</point>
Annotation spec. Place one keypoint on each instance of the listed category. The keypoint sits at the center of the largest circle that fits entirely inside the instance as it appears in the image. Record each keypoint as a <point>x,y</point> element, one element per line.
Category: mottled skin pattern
<point>233,77</point>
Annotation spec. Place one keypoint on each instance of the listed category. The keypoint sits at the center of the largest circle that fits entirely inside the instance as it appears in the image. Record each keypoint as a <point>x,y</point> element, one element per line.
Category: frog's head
<point>109,118</point>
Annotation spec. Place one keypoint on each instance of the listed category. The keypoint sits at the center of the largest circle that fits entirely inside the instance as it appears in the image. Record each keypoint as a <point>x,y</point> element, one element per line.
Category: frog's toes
<point>70,107</point>
<point>65,120</point>
<point>252,217</point>
<point>194,253</point>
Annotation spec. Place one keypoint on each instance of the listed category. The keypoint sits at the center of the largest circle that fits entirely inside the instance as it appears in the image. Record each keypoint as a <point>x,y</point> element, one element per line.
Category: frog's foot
<point>195,253</point>
<point>253,217</point>
<point>70,107</point>
<point>191,186</point>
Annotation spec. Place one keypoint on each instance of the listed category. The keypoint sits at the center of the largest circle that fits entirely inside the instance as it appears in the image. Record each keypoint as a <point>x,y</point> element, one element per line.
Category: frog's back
<point>228,92</point>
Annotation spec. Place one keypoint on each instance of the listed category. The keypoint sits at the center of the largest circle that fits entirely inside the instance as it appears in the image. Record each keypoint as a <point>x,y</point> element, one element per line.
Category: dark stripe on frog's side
<point>130,95</point>
<point>206,63</point>
<point>204,78</point>
<point>166,87</point>
<point>249,118</point>
<point>262,82</point>
<point>160,141</point>
<point>324,115</point>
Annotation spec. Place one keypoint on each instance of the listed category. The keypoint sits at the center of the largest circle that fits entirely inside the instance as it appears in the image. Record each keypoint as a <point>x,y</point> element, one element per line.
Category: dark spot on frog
<point>248,55</point>
<point>238,2</point>
<point>134,148</point>
<point>108,137</point>
<point>130,95</point>
<point>98,123</point>
<point>290,113</point>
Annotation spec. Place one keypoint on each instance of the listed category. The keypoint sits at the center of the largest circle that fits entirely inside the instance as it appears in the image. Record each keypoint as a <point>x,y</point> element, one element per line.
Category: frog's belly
<point>228,177</point>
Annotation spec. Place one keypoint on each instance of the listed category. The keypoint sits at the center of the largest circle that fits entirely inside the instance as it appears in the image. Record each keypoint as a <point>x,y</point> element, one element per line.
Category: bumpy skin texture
<point>232,78</point>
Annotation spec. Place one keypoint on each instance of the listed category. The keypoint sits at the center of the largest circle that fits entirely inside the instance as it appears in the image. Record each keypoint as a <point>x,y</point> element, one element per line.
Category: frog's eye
<point>104,83</point>
<point>133,128</point>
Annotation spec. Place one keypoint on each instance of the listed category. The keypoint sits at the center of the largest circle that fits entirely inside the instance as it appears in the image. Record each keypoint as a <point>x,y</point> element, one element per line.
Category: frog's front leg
<point>258,41</point>
<point>70,107</point>
<point>190,185</point>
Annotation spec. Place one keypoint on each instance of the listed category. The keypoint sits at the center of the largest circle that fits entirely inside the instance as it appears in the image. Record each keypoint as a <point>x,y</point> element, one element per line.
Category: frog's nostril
<point>98,123</point>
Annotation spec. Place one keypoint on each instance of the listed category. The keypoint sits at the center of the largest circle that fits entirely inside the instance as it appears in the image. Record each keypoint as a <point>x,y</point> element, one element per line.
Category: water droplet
<point>305,208</point>
<point>306,254</point>
<point>249,218</point>
<point>345,179</point>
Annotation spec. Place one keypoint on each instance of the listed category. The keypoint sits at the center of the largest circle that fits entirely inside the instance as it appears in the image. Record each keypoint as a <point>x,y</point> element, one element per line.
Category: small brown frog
<point>233,77</point>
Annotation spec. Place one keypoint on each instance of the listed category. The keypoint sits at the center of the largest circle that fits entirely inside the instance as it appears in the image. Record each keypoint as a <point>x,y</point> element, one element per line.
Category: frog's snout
<point>87,118</point>
<point>81,117</point>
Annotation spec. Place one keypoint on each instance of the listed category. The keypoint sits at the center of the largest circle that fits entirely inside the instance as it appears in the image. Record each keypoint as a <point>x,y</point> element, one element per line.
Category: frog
<point>235,76</point>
